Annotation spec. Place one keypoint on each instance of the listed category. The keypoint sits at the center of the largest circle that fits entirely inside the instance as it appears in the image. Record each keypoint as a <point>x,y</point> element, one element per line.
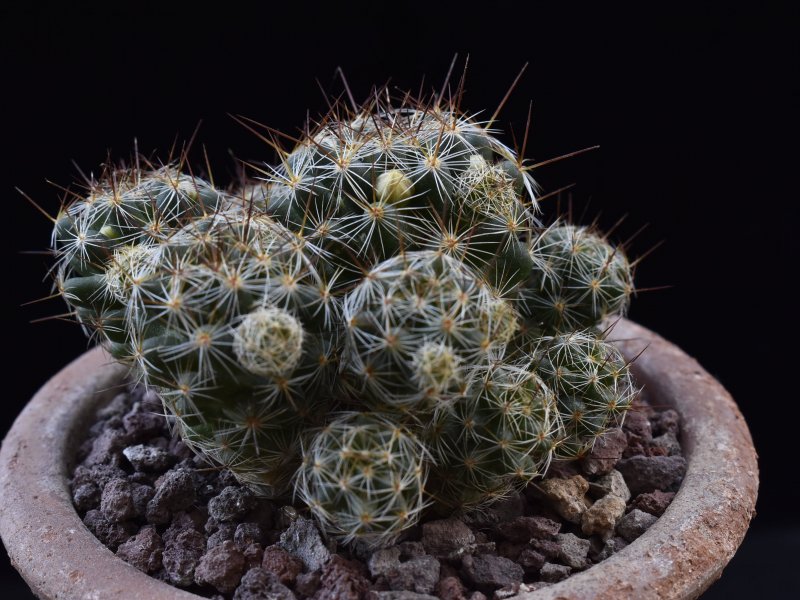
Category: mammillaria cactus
<point>578,279</point>
<point>380,323</point>
<point>363,476</point>
<point>384,180</point>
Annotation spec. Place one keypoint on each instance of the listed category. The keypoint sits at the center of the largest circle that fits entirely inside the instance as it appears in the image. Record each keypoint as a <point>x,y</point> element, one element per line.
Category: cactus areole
<point>380,325</point>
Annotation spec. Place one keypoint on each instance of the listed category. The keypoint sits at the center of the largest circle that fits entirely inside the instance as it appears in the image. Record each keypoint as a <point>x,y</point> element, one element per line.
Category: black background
<point>694,111</point>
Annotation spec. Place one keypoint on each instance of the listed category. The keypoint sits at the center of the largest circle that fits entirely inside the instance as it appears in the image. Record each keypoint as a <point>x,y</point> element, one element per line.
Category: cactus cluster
<point>380,324</point>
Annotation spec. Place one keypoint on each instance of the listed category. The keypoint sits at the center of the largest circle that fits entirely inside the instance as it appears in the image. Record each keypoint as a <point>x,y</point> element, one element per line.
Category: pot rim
<point>680,556</point>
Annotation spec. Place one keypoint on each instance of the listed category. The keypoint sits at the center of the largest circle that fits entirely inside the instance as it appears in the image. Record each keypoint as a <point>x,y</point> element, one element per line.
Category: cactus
<point>369,185</point>
<point>380,324</point>
<point>414,323</point>
<point>592,385</point>
<point>363,476</point>
<point>578,280</point>
<point>498,437</point>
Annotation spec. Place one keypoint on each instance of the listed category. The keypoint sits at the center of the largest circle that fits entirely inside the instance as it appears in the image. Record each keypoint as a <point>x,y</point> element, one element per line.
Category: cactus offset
<point>364,476</point>
<point>578,280</point>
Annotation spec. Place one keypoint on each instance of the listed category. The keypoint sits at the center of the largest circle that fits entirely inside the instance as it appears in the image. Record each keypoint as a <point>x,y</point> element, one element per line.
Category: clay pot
<point>678,557</point>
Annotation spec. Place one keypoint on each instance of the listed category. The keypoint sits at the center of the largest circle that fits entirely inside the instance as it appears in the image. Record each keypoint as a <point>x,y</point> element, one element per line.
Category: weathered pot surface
<point>678,557</point>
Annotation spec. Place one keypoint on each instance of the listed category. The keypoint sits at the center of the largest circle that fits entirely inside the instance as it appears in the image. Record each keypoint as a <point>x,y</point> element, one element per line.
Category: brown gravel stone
<point>450,588</point>
<point>253,556</point>
<point>144,550</point>
<point>257,584</point>
<point>567,496</point>
<point>341,579</point>
<point>531,560</point>
<point>447,539</point>
<point>655,502</point>
<point>221,567</point>
<point>606,452</point>
<point>181,555</point>
<point>601,518</point>
<point>281,564</point>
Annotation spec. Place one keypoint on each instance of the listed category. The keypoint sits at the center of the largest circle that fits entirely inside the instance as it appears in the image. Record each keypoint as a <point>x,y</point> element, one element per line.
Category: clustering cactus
<point>381,323</point>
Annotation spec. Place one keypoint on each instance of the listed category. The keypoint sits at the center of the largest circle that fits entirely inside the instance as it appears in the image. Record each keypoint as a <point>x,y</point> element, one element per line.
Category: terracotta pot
<point>678,557</point>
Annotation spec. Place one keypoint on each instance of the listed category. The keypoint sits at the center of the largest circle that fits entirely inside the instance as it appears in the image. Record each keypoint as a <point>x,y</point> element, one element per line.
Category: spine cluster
<point>379,324</point>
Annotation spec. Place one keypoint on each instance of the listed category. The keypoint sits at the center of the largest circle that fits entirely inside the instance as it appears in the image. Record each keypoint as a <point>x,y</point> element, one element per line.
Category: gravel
<point>145,496</point>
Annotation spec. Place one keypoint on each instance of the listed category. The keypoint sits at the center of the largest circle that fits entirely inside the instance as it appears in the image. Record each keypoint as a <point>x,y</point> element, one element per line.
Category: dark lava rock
<point>107,448</point>
<point>522,529</point>
<point>258,584</point>
<point>634,524</point>
<point>648,473</point>
<point>572,550</point>
<point>655,502</point>
<point>111,533</point>
<point>253,555</point>
<point>666,421</point>
<point>182,521</point>
<point>450,588</point>
<point>530,560</point>
<point>281,564</point>
<point>667,444</point>
<point>248,533</point>
<point>221,567</point>
<point>307,584</point>
<point>232,503</point>
<point>487,572</point>
<point>224,533</point>
<point>447,539</point>
<point>411,549</point>
<point>383,560</point>
<point>612,546</point>
<point>607,450</point>
<point>302,539</point>
<point>174,492</point>
<point>148,458</point>
<point>509,550</point>
<point>181,555</point>
<point>141,425</point>
<point>419,574</point>
<point>86,496</point>
<point>99,475</point>
<point>143,550</point>
<point>141,494</point>
<point>401,595</point>
<point>637,423</point>
<point>548,548</point>
<point>116,502</point>
<point>551,572</point>
<point>341,579</point>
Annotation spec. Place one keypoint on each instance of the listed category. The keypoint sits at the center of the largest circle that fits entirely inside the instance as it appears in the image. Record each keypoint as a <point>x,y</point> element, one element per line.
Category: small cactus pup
<point>496,438</point>
<point>578,279</point>
<point>592,384</point>
<point>372,182</point>
<point>363,476</point>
